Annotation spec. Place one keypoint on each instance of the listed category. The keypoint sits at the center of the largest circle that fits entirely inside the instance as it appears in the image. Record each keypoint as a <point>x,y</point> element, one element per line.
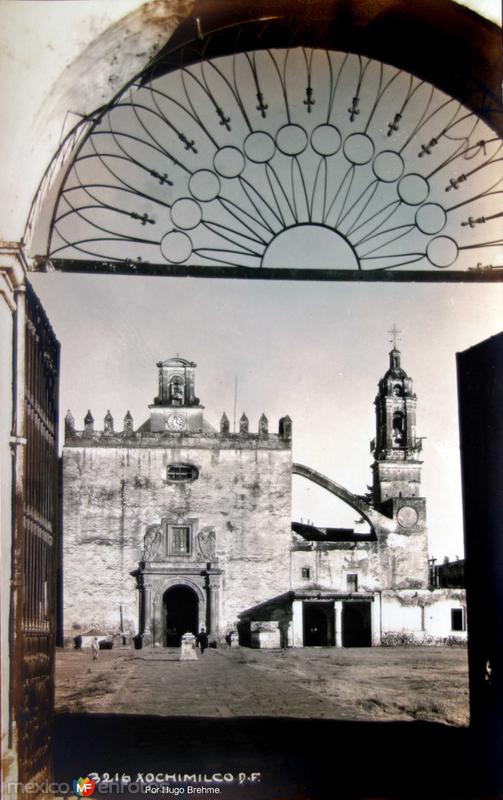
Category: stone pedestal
<point>187,649</point>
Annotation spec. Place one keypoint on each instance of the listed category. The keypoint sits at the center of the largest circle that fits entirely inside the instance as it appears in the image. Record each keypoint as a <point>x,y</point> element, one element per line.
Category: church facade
<point>181,526</point>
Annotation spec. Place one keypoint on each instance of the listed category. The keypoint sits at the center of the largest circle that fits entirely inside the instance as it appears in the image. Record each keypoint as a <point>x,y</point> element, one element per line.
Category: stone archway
<point>157,619</point>
<point>180,613</point>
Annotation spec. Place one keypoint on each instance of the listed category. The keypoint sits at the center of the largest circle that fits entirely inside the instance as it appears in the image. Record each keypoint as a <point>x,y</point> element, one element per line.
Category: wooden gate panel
<point>36,545</point>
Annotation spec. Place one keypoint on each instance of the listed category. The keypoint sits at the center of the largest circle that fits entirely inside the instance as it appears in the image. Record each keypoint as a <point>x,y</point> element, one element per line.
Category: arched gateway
<point>180,607</point>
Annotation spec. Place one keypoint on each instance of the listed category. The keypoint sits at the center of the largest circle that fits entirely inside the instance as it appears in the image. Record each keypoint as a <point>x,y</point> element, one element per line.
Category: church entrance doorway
<point>180,613</point>
<point>319,624</point>
<point>356,624</point>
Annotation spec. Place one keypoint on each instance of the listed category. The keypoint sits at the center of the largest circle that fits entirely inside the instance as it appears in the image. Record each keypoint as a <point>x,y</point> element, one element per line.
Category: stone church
<point>180,526</point>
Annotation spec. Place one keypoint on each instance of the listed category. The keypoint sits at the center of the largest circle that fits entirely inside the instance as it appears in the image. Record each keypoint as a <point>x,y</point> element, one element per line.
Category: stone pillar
<point>338,622</point>
<point>156,624</point>
<point>147,610</point>
<point>297,624</point>
<point>376,620</point>
<point>212,611</point>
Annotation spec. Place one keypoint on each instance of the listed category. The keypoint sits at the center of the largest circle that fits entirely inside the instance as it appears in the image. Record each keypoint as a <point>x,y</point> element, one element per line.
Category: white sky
<point>313,350</point>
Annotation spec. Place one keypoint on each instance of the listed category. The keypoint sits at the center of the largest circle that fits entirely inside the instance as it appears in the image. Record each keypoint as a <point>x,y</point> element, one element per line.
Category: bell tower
<point>396,469</point>
<point>176,409</point>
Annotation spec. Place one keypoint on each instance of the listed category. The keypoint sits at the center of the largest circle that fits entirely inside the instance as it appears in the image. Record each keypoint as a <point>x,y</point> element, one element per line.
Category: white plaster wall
<point>401,612</point>
<point>396,617</point>
<point>438,618</point>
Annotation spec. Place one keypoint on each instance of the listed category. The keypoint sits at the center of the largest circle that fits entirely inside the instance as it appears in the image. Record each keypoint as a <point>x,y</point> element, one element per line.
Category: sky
<point>313,350</point>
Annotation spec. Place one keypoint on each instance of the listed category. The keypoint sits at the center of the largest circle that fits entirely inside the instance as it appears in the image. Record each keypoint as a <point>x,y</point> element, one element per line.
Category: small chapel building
<point>180,526</point>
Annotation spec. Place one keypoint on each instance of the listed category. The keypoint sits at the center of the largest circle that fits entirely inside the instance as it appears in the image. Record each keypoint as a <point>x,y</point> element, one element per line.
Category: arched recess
<point>377,520</point>
<point>461,60</point>
<point>158,611</point>
<point>176,581</point>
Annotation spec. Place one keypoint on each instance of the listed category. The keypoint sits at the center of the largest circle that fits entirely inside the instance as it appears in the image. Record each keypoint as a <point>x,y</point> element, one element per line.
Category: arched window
<point>177,391</point>
<point>398,427</point>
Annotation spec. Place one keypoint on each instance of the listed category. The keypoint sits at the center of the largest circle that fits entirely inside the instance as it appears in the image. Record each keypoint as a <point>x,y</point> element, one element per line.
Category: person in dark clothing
<point>202,640</point>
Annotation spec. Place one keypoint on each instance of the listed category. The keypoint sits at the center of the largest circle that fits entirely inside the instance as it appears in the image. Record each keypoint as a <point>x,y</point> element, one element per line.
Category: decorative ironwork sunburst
<point>304,159</point>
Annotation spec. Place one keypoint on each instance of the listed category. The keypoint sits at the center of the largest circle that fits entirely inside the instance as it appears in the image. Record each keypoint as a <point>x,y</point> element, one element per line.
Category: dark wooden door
<point>356,624</point>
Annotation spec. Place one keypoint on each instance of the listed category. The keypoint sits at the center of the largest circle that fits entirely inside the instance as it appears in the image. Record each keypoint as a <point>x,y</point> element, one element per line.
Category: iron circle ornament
<point>326,140</point>
<point>388,166</point>
<point>359,148</point>
<point>413,189</point>
<point>204,185</point>
<point>186,213</point>
<point>229,162</point>
<point>291,140</point>
<point>259,147</point>
<point>431,218</point>
<point>389,172</point>
<point>176,247</point>
<point>442,251</point>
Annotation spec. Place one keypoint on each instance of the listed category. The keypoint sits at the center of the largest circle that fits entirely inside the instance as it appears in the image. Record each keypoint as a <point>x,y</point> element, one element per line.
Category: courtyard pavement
<point>307,725</point>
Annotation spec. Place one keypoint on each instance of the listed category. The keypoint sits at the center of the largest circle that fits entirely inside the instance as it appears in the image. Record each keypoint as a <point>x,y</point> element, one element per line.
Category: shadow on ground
<point>297,759</point>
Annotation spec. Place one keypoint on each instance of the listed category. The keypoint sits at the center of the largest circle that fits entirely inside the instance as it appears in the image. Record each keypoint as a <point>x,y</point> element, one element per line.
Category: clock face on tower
<point>407,516</point>
<point>176,423</point>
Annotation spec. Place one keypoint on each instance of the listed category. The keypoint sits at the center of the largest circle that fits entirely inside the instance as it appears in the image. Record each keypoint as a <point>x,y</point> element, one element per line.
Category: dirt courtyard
<point>306,724</point>
<point>366,684</point>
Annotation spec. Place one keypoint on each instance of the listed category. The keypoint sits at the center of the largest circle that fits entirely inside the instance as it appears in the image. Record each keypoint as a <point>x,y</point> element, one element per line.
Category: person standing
<point>202,640</point>
<point>95,647</point>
